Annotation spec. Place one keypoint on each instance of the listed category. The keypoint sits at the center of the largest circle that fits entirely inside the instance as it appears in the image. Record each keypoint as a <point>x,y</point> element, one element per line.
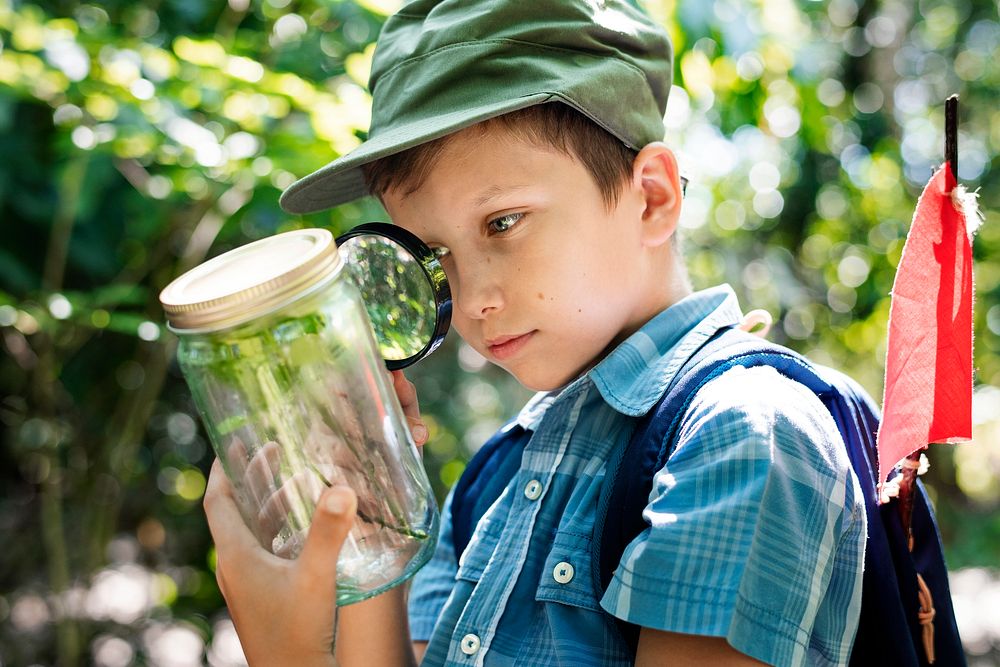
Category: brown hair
<point>608,160</point>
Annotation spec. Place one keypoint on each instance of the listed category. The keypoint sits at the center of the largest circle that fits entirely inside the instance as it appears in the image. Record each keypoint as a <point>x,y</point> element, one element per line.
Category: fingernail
<point>335,503</point>
<point>420,433</point>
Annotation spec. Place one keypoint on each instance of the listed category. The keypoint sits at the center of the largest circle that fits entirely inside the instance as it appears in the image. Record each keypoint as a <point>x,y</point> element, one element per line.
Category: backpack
<point>889,632</point>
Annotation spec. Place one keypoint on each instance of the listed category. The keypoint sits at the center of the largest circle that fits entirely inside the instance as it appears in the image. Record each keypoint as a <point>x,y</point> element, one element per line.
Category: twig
<point>71,187</point>
<point>45,382</point>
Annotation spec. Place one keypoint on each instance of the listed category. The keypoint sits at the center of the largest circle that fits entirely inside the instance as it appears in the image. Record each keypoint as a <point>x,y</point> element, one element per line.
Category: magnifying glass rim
<point>432,269</point>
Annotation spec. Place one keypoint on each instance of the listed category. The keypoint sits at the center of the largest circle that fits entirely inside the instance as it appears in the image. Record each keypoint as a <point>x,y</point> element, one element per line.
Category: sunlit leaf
<point>359,65</point>
<point>381,7</point>
<point>207,52</point>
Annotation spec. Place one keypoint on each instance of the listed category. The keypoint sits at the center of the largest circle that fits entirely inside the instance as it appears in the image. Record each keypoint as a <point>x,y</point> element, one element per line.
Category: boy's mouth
<point>504,347</point>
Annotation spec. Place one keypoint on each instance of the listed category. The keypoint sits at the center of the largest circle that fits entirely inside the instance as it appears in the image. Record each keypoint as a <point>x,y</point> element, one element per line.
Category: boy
<point>522,139</point>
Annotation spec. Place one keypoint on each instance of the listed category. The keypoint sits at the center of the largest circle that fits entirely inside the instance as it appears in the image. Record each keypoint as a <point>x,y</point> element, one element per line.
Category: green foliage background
<point>139,138</point>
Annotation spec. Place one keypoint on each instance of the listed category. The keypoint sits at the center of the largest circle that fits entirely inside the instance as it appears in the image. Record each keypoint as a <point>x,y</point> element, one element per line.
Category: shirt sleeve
<point>432,584</point>
<point>756,527</point>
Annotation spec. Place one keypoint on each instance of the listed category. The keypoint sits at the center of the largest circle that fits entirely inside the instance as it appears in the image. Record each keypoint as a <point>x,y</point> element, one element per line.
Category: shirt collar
<point>531,414</point>
<point>637,372</point>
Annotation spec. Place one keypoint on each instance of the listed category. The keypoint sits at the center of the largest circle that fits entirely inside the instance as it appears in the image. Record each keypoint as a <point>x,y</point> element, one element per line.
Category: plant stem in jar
<point>402,530</point>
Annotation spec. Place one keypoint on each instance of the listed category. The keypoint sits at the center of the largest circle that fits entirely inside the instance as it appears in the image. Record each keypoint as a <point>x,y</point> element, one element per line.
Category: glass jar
<point>278,351</point>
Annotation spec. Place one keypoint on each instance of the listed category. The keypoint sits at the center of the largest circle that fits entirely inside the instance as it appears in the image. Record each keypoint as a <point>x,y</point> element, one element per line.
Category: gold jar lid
<point>250,281</point>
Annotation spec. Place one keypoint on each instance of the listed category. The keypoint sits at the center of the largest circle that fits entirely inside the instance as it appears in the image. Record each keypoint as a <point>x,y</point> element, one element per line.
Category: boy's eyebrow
<point>492,192</point>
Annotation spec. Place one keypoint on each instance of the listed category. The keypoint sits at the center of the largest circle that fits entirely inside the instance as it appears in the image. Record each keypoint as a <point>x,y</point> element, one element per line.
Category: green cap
<point>443,65</point>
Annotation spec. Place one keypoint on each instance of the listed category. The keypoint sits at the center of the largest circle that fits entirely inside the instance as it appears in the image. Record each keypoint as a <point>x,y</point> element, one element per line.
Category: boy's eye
<point>503,223</point>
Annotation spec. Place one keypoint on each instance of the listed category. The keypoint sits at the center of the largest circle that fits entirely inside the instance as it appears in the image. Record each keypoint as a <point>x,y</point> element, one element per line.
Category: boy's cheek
<point>466,332</point>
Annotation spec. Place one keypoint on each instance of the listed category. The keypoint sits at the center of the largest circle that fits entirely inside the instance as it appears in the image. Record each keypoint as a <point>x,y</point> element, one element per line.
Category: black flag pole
<point>951,134</point>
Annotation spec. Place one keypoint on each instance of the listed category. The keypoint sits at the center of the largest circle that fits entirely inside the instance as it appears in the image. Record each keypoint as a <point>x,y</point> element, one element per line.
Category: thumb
<point>332,521</point>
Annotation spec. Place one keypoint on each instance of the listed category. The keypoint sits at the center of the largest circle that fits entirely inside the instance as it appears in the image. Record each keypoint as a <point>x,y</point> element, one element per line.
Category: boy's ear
<point>655,175</point>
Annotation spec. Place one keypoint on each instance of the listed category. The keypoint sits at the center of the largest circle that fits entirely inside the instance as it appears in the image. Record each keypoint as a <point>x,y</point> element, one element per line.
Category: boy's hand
<point>332,462</point>
<point>407,394</point>
<point>284,610</point>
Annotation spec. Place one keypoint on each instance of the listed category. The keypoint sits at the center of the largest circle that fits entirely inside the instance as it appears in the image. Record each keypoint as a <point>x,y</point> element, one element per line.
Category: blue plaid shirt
<point>756,523</point>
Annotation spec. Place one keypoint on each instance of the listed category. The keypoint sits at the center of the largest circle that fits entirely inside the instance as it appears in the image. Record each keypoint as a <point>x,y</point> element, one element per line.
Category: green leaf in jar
<point>307,350</point>
<point>230,424</point>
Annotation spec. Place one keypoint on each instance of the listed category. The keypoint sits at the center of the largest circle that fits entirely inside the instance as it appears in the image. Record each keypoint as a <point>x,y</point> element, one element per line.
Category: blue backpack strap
<point>484,479</point>
<point>889,630</point>
<point>630,470</point>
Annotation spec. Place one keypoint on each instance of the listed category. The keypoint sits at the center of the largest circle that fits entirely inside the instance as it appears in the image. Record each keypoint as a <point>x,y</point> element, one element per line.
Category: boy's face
<point>545,279</point>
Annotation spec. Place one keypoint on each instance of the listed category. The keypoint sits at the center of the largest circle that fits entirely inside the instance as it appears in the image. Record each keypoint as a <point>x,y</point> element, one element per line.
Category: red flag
<point>928,369</point>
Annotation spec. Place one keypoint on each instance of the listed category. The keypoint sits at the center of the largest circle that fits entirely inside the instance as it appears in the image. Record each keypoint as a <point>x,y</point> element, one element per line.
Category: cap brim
<point>342,181</point>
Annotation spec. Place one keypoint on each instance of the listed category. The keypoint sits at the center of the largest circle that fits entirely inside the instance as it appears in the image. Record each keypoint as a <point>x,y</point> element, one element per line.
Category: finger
<point>229,531</point>
<point>293,503</point>
<point>273,515</point>
<point>407,393</point>
<point>332,521</point>
<point>260,476</point>
<point>419,431</point>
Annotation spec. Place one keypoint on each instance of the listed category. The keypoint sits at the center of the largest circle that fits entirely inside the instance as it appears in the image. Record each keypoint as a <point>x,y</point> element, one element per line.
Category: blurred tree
<point>142,137</point>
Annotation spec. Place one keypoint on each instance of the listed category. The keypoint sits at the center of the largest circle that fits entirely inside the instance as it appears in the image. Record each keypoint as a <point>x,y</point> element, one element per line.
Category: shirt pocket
<point>566,577</point>
<point>481,548</point>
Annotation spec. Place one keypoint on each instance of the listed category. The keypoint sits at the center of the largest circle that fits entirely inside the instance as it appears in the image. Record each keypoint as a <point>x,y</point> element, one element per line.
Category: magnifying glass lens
<point>403,287</point>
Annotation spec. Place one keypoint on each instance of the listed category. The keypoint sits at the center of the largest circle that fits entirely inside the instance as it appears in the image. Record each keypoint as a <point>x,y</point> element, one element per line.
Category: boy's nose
<point>476,294</point>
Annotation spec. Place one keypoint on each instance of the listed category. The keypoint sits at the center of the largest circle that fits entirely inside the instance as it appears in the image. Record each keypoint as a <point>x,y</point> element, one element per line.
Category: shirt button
<point>563,573</point>
<point>470,644</point>
<point>533,489</point>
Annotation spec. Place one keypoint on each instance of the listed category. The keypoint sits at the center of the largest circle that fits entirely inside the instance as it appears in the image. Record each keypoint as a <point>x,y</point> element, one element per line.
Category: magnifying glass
<point>404,289</point>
